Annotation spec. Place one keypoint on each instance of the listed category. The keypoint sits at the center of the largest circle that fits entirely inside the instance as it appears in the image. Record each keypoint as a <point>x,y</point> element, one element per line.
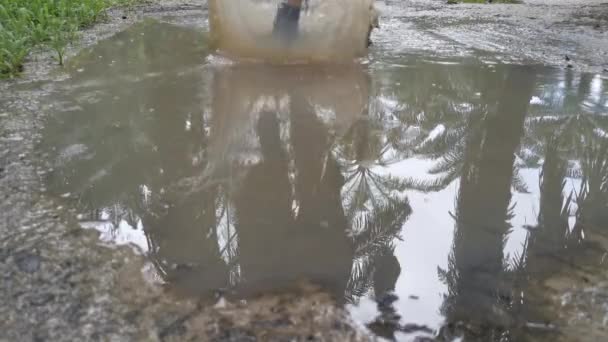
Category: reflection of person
<point>320,220</point>
<point>285,214</point>
<point>288,211</point>
<point>263,211</point>
<point>386,274</point>
<point>277,245</point>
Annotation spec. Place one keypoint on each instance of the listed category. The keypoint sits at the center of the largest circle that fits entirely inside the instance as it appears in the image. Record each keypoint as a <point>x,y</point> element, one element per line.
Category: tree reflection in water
<point>475,277</point>
<point>296,203</point>
<point>249,178</point>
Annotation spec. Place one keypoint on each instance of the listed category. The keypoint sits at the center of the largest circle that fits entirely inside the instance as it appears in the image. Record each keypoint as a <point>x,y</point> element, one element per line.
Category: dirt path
<point>539,31</point>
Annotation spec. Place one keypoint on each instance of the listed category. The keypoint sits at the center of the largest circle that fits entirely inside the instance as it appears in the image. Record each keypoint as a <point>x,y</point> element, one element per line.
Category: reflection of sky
<point>557,94</point>
<point>124,234</point>
<point>596,90</point>
<point>427,240</point>
<point>427,234</point>
<point>525,210</point>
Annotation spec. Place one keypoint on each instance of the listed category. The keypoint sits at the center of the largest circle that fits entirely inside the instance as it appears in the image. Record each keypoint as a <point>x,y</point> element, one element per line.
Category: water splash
<point>329,30</point>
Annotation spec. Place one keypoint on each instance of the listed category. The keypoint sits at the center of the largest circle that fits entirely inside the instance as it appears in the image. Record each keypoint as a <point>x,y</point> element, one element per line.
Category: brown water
<point>424,194</point>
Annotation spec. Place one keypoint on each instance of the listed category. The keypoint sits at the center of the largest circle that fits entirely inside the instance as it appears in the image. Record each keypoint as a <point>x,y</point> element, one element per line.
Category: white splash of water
<point>329,30</point>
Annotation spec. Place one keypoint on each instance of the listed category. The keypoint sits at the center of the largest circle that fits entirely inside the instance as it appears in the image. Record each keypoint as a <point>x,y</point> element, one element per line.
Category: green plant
<point>62,33</point>
<point>25,24</point>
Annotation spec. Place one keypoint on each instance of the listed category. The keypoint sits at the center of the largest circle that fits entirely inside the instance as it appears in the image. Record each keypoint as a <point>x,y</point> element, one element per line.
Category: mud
<point>58,282</point>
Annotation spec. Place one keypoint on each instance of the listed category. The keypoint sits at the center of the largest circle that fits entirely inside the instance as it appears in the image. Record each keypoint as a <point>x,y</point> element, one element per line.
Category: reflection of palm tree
<point>577,120</point>
<point>435,106</point>
<point>458,108</point>
<point>475,275</point>
<point>573,150</point>
<point>372,204</point>
<point>592,199</point>
<point>361,154</point>
<point>552,231</point>
<point>319,216</point>
<point>558,236</point>
<point>201,206</point>
<point>573,128</point>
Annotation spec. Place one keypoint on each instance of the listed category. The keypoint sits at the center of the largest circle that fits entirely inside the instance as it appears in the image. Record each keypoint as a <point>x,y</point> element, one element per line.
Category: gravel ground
<point>538,31</point>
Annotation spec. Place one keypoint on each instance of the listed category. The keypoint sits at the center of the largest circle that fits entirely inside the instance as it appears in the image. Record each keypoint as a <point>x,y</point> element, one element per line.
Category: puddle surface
<point>421,193</point>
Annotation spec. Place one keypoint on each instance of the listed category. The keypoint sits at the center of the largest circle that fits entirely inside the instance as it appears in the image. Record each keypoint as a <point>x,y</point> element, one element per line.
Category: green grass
<point>26,24</point>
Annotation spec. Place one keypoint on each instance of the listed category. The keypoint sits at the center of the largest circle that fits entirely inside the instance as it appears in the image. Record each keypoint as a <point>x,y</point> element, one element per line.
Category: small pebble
<point>42,299</point>
<point>540,326</point>
<point>221,303</point>
<point>28,263</point>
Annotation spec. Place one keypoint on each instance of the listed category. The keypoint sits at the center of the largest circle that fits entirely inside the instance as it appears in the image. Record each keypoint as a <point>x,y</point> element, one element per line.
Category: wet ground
<point>152,190</point>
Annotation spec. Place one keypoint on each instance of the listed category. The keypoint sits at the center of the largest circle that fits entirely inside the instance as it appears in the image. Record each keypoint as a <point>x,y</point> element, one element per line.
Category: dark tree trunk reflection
<point>483,208</point>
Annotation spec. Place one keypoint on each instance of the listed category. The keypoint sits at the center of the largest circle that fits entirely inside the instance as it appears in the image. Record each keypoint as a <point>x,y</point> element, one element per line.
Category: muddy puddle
<point>426,195</point>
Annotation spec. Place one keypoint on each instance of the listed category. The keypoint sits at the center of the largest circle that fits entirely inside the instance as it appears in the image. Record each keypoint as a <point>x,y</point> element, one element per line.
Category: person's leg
<point>286,20</point>
<point>373,24</point>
